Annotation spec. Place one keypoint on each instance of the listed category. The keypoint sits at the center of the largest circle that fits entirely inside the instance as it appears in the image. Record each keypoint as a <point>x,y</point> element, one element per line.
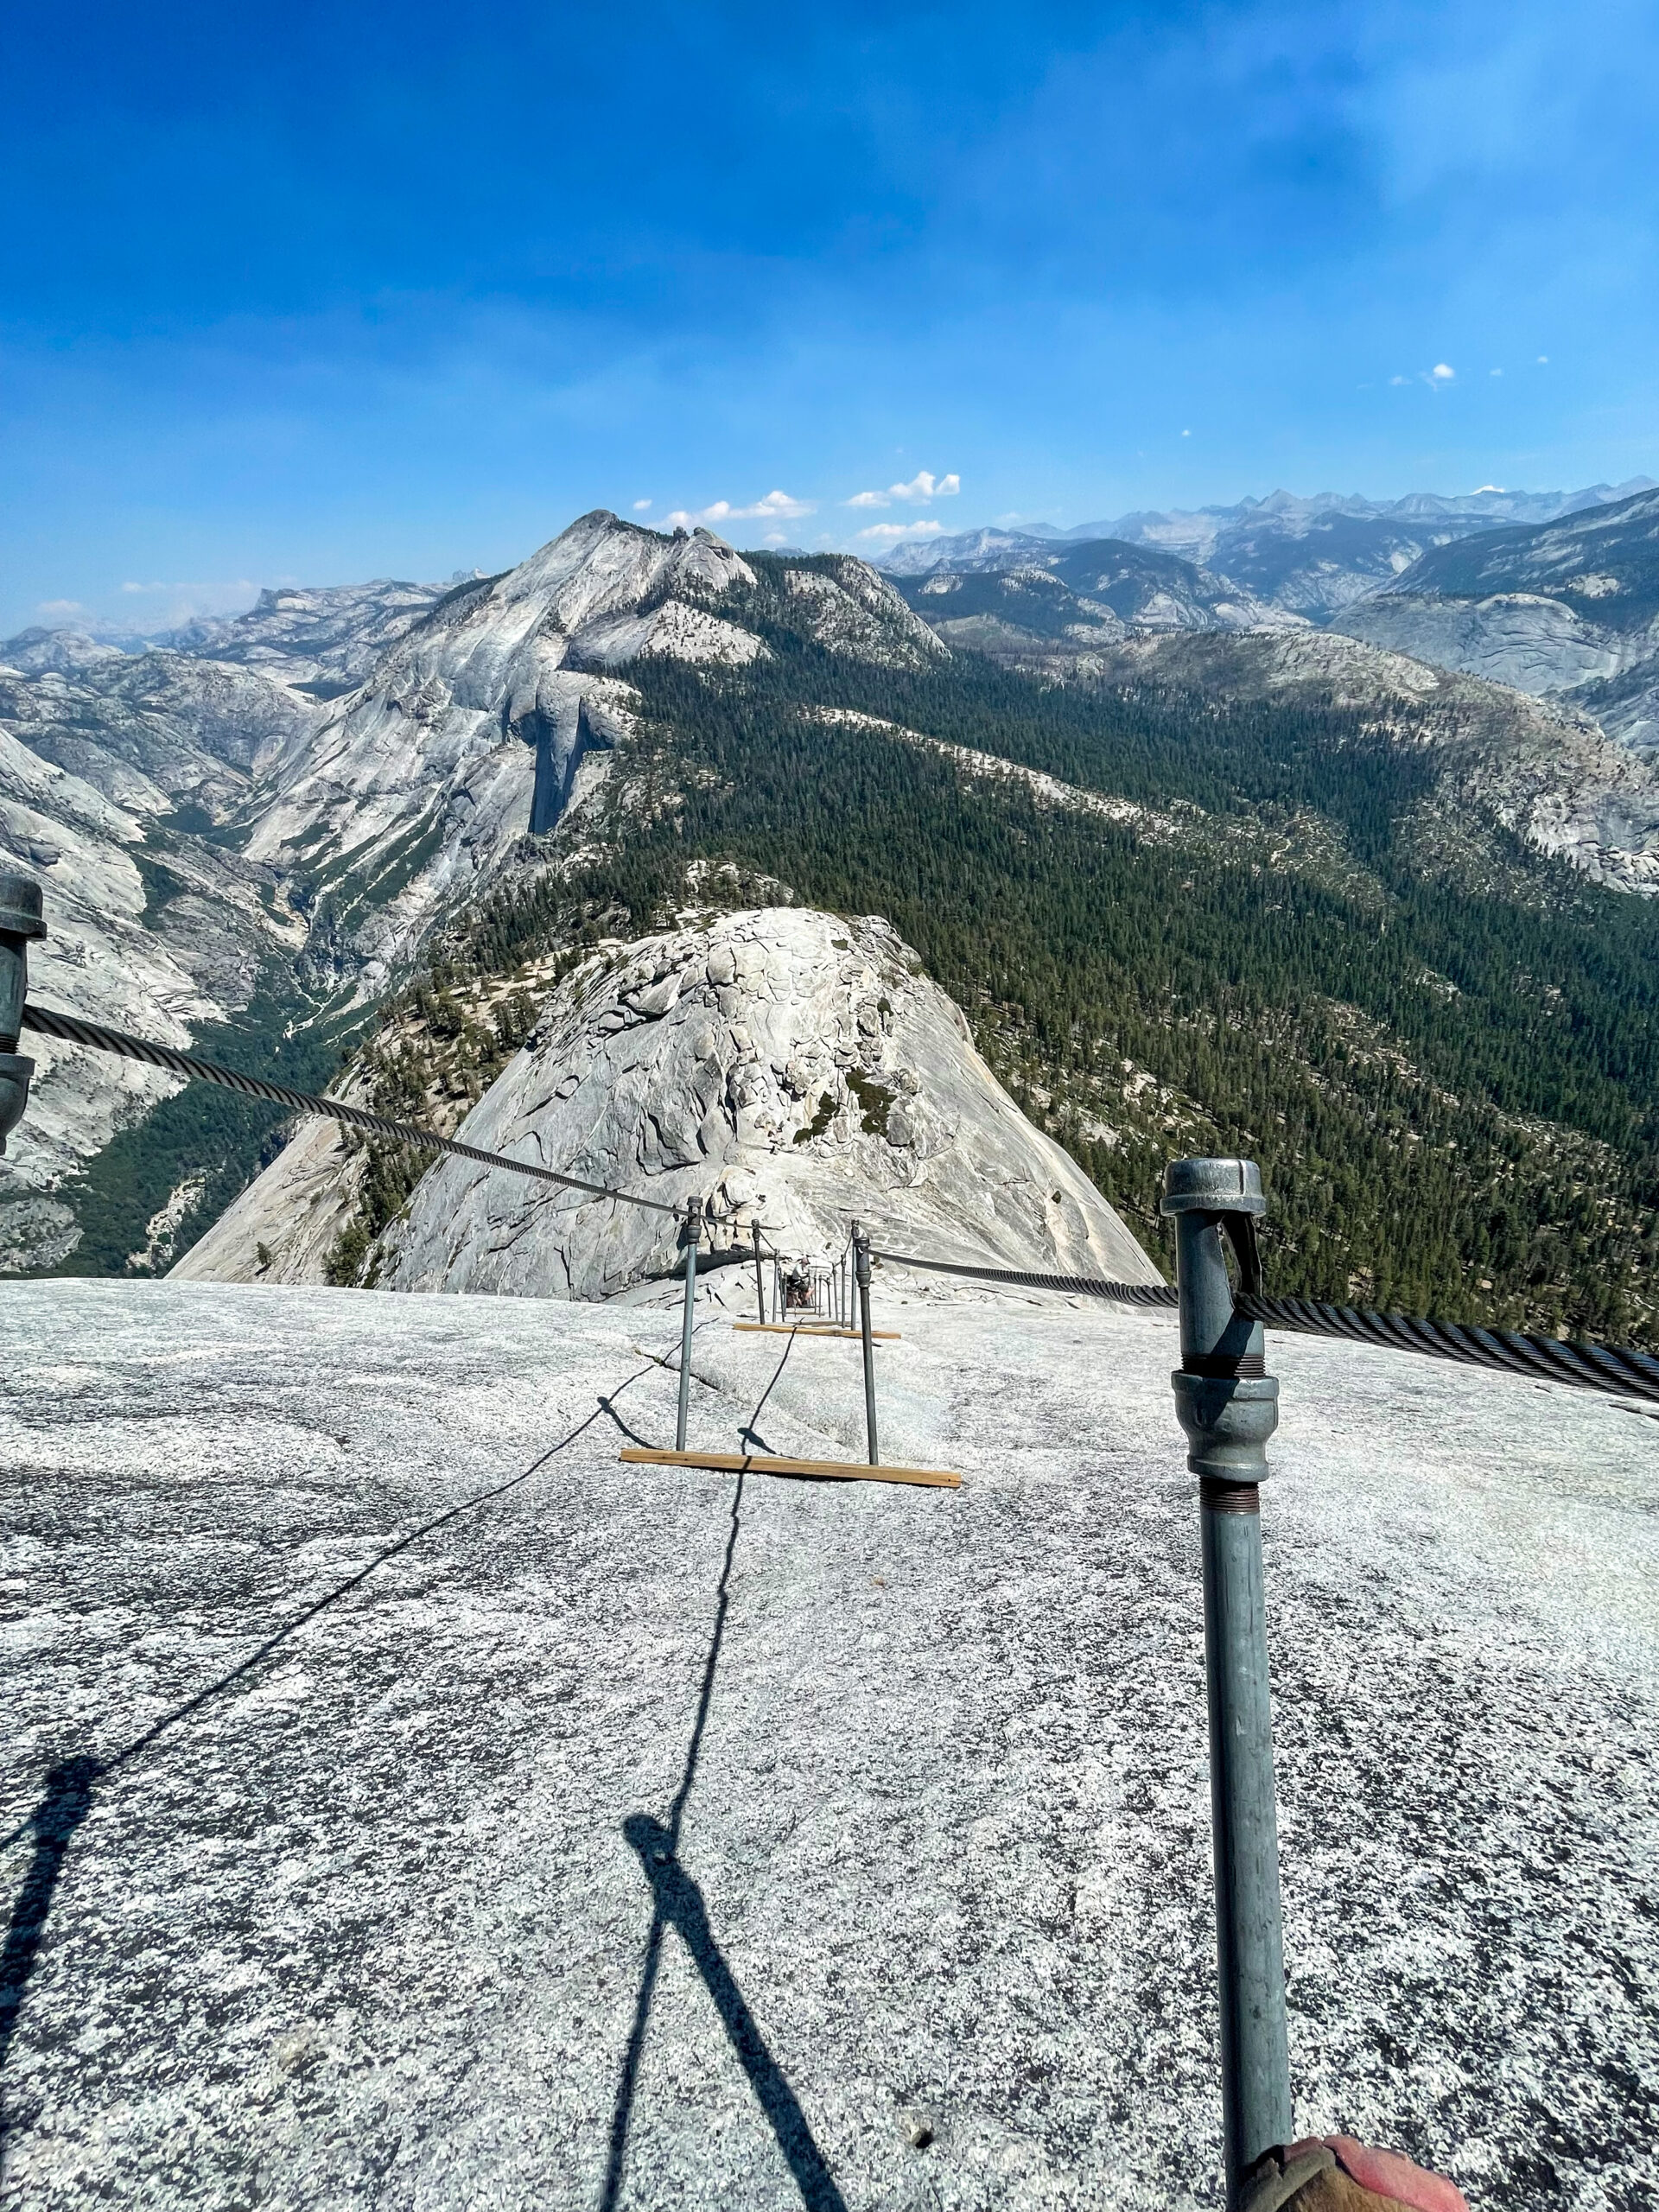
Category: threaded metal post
<point>1229,1408</point>
<point>862,1255</point>
<point>20,920</point>
<point>693,1231</point>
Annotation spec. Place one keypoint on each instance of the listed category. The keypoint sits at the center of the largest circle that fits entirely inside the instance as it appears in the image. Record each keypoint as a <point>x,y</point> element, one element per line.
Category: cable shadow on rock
<point>749,1436</point>
<point>65,1805</point>
<point>69,1785</point>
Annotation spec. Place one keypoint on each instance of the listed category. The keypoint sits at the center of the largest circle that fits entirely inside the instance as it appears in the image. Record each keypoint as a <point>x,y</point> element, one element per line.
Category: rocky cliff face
<point>478,726</point>
<point>1570,606</point>
<point>153,927</point>
<point>195,814</point>
<point>791,1068</point>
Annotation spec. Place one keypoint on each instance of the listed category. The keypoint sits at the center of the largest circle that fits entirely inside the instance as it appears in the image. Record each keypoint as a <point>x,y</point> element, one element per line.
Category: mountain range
<point>1198,874</point>
<point>1306,557</point>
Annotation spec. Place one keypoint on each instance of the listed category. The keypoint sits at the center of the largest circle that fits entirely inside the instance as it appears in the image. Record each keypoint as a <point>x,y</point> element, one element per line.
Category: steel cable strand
<point>70,1029</point>
<point>1127,1294</point>
<point>1614,1371</point>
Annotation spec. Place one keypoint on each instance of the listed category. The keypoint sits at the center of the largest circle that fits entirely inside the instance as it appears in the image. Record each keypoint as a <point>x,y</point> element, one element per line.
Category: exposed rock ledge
<point>794,1067</point>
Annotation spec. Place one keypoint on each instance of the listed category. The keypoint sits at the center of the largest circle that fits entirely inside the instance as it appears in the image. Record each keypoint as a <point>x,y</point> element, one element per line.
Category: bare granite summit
<point>408,1806</point>
<point>790,1067</point>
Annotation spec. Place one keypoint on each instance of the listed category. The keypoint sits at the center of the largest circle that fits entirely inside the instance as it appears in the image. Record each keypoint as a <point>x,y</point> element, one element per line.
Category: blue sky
<point>318,292</point>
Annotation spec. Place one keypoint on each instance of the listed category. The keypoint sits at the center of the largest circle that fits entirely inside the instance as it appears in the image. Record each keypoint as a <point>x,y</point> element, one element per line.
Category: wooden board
<point>814,1328</point>
<point>848,1471</point>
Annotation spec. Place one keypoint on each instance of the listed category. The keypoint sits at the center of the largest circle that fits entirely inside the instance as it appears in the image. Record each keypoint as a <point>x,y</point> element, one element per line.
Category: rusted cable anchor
<point>21,919</point>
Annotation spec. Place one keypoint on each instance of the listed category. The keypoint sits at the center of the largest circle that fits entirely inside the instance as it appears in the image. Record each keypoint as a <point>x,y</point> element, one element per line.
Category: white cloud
<point>640,506</point>
<point>1494,372</point>
<point>1441,374</point>
<point>889,533</point>
<point>776,507</point>
<point>921,491</point>
<point>1186,434</point>
<point>1543,360</point>
<point>1399,379</point>
<point>775,503</point>
<point>776,537</point>
<point>60,607</point>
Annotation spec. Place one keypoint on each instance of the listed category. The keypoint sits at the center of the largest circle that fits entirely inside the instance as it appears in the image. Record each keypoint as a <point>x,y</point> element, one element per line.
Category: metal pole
<point>1228,1406</point>
<point>20,920</point>
<point>759,1277</point>
<point>693,1231</point>
<point>861,1252</point>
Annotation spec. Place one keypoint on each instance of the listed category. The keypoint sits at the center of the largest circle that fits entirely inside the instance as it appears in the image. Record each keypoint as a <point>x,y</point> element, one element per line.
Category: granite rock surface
<point>787,1067</point>
<point>409,1806</point>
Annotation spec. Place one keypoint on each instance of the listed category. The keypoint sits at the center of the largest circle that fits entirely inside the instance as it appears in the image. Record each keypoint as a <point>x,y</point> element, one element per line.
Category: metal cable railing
<point>1226,1404</point>
<point>1618,1371</point>
<point>1125,1293</point>
<point>71,1029</point>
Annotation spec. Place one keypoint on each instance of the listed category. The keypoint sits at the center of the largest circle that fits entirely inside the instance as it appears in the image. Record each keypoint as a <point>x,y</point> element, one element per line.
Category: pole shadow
<point>677,1902</point>
<point>65,1805</point>
<point>678,1905</point>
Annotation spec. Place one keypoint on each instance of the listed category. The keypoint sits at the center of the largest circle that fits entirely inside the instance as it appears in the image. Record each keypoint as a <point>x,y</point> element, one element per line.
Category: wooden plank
<point>813,1329</point>
<point>847,1471</point>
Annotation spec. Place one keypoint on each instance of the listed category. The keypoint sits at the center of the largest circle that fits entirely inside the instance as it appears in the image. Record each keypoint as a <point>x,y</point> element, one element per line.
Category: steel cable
<point>1126,1294</point>
<point>1617,1371</point>
<point>70,1029</point>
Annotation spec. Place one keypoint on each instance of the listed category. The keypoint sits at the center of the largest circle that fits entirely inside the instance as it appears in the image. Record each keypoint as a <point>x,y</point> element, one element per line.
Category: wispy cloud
<point>776,506</point>
<point>59,608</point>
<point>889,533</point>
<point>640,506</point>
<point>922,490</point>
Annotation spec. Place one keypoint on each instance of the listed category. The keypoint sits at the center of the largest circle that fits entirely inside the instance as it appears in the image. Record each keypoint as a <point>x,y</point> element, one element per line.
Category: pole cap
<point>1213,1187</point>
<point>21,913</point>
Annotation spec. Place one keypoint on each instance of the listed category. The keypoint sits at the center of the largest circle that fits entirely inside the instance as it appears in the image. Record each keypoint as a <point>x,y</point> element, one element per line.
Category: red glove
<point>1333,2173</point>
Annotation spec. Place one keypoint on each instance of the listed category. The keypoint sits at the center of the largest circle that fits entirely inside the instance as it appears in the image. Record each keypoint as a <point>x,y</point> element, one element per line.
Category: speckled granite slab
<point>627,1839</point>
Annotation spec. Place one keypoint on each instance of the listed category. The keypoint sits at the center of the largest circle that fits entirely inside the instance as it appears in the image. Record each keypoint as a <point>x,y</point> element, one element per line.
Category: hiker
<point>1333,2173</point>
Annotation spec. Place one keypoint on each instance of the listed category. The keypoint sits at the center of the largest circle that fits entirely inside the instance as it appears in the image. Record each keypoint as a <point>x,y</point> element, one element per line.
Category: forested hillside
<point>1450,1089</point>
<point>1188,906</point>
